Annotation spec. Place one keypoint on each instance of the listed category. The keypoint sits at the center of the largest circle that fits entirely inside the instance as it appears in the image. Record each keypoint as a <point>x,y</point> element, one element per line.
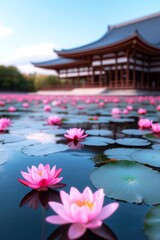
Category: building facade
<point>126,57</point>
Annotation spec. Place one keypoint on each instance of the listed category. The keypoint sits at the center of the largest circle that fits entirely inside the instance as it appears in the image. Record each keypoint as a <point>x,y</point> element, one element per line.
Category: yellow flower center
<point>85,203</point>
<point>40,173</point>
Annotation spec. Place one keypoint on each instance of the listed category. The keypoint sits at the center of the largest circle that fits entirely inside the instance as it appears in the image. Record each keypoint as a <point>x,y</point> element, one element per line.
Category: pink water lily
<point>11,109</point>
<point>54,120</point>
<point>158,108</point>
<point>142,111</point>
<point>115,111</point>
<point>41,178</point>
<point>144,123</point>
<point>75,134</point>
<point>47,108</point>
<point>156,127</point>
<point>4,123</point>
<point>84,210</point>
<point>25,105</point>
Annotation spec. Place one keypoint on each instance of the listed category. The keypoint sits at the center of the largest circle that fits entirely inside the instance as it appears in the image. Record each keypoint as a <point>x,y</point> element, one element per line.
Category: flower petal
<point>76,230</point>
<point>87,194</point>
<point>55,220</point>
<point>59,209</point>
<point>107,211</point>
<point>93,224</point>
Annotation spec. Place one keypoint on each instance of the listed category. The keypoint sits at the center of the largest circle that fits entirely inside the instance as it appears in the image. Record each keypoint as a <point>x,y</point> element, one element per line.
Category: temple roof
<point>58,62</point>
<point>148,28</point>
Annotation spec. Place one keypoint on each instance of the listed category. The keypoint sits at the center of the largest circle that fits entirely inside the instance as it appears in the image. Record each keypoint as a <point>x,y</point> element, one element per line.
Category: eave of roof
<point>152,49</point>
<point>148,28</point>
<point>59,62</point>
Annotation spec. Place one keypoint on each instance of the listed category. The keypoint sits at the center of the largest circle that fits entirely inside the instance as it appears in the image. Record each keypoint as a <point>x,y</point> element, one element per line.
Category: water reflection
<point>75,145</point>
<point>34,198</point>
<point>103,232</point>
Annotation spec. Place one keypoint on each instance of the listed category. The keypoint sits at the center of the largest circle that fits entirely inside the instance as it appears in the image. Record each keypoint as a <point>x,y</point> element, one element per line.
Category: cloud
<point>24,55</point>
<point>29,68</point>
<point>5,31</point>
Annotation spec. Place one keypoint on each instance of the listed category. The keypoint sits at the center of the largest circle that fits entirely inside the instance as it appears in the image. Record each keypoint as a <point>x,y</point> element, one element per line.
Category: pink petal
<point>23,182</point>
<point>79,214</point>
<point>59,209</point>
<point>107,211</point>
<point>27,177</point>
<point>75,194</point>
<point>55,220</point>
<point>87,194</point>
<point>57,172</point>
<point>76,230</point>
<point>93,224</point>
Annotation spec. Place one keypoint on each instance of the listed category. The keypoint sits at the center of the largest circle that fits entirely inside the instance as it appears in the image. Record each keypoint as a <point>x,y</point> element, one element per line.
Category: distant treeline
<point>12,80</point>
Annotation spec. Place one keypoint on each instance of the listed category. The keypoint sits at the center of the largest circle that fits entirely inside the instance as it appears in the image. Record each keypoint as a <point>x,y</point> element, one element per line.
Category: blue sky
<point>31,29</point>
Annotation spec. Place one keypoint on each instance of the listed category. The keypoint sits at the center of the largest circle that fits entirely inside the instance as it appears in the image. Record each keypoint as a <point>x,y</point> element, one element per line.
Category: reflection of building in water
<point>126,57</point>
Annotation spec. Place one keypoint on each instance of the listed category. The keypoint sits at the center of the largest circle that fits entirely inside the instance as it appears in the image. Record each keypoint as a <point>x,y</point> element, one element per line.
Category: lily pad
<point>153,137</point>
<point>152,223</point>
<point>3,157</point>
<point>98,141</point>
<point>137,142</point>
<point>100,132</point>
<point>120,153</point>
<point>8,138</point>
<point>156,146</point>
<point>44,149</point>
<point>121,120</point>
<point>147,156</point>
<point>136,132</point>
<point>128,181</point>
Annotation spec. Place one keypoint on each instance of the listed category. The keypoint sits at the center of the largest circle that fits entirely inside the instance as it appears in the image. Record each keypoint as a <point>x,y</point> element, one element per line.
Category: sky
<point>30,30</point>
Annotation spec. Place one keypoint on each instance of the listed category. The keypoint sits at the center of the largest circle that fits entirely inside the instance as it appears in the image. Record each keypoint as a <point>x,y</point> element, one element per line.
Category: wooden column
<point>78,77</point>
<point>110,77</point>
<point>127,70</point>
<point>134,72</point>
<point>100,76</point>
<point>88,76</point>
<point>148,73</point>
<point>67,80</point>
<point>142,74</point>
<point>121,74</point>
<point>92,79</point>
<point>116,72</point>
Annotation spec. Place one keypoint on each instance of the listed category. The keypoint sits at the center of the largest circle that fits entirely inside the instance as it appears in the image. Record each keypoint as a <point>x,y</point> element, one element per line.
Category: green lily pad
<point>44,149</point>
<point>101,132</point>
<point>152,223</point>
<point>121,120</point>
<point>137,142</point>
<point>136,132</point>
<point>153,137</point>
<point>128,181</point>
<point>98,141</point>
<point>156,146</point>
<point>120,153</point>
<point>3,157</point>
<point>147,156</point>
<point>8,138</point>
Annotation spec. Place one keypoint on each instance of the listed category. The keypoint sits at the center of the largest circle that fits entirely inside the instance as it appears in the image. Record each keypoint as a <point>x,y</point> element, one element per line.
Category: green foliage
<point>46,82</point>
<point>12,80</point>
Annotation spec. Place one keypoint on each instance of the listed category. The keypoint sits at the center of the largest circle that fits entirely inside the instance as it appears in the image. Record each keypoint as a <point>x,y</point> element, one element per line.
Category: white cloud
<point>29,68</point>
<point>5,31</point>
<point>24,55</point>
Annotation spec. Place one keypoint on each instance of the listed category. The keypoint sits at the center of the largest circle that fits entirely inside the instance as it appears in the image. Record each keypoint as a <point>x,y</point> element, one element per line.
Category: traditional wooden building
<point>126,57</point>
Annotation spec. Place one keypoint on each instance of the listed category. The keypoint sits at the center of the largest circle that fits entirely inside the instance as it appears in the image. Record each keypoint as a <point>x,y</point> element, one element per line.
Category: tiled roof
<point>148,28</point>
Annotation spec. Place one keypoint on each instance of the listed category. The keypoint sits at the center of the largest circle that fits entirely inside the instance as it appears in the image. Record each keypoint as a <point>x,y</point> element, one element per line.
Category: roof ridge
<point>134,20</point>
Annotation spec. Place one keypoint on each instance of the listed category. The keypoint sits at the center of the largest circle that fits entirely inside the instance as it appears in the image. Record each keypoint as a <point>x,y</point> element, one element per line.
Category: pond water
<point>116,155</point>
